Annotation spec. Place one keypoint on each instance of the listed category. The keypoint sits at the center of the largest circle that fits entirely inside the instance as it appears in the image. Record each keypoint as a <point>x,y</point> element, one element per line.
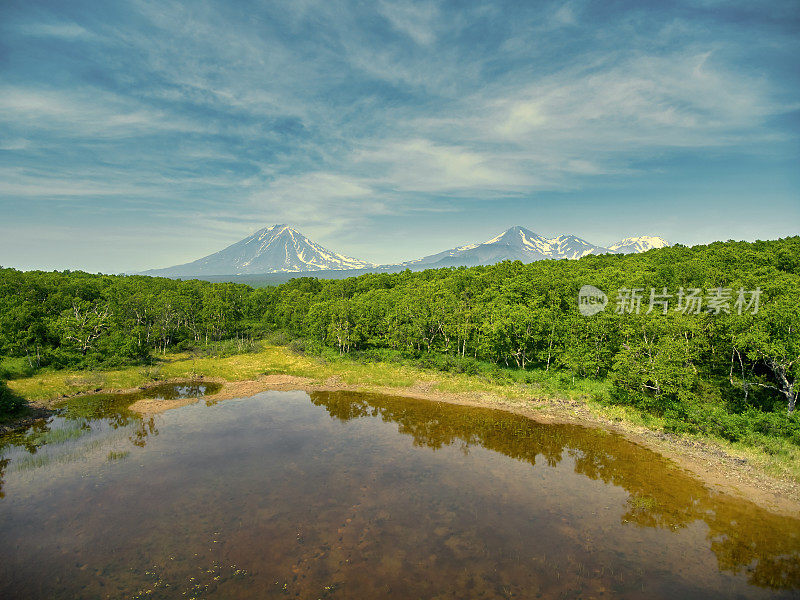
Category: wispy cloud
<point>62,30</point>
<point>337,116</point>
<point>415,19</point>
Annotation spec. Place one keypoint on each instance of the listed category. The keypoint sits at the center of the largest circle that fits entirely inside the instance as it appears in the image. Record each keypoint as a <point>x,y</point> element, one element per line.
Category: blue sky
<point>144,134</point>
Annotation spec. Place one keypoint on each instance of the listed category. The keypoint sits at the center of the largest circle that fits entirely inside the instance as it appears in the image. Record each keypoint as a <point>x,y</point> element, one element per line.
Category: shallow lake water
<point>344,495</point>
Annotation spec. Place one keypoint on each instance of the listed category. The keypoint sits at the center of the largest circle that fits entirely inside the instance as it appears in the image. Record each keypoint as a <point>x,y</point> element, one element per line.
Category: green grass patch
<point>58,436</point>
<point>112,455</point>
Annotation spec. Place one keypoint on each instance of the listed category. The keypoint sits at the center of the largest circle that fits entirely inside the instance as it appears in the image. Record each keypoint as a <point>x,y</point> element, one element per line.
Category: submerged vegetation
<point>712,372</point>
<point>596,503</point>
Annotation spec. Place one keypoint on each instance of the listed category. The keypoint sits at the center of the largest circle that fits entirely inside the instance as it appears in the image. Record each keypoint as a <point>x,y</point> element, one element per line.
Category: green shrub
<point>302,346</point>
<point>278,338</point>
<point>751,426</point>
<point>226,348</point>
<point>15,368</point>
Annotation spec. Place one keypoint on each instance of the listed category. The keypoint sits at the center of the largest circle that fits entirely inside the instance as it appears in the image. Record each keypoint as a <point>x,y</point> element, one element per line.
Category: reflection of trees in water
<point>744,537</point>
<point>144,429</point>
<point>29,438</point>
<point>109,409</point>
<point>3,464</point>
<point>113,410</point>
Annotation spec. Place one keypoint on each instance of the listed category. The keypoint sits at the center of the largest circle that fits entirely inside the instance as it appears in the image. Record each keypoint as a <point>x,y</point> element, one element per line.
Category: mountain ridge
<point>275,249</point>
<point>282,249</point>
<point>642,243</point>
<point>515,243</point>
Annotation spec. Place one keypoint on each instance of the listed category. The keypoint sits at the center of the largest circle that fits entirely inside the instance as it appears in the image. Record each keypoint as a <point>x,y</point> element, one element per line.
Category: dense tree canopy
<point>742,335</point>
<point>739,346</point>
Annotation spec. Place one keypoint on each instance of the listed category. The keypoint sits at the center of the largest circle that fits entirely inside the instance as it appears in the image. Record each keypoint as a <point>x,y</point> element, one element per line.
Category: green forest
<point>715,348</point>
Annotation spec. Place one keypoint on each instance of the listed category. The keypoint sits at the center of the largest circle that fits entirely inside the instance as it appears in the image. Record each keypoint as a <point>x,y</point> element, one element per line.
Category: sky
<point>140,134</point>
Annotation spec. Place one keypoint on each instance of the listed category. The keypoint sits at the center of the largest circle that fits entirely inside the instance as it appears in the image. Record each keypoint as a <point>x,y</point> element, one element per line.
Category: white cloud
<point>415,19</point>
<point>15,181</point>
<point>372,127</point>
<point>78,112</point>
<point>64,30</point>
<point>565,15</point>
<point>585,122</point>
<point>15,144</point>
<point>656,101</point>
<point>315,198</point>
<point>421,165</point>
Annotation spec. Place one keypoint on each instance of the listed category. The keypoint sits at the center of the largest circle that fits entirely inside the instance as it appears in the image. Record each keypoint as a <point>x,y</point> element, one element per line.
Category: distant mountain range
<point>516,243</point>
<point>281,249</point>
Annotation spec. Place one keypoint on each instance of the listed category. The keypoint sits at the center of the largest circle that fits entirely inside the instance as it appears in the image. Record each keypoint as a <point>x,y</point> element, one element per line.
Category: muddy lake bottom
<point>350,495</point>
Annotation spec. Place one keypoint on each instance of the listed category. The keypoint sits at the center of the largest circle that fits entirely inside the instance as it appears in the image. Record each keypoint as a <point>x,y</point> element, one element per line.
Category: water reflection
<point>82,415</point>
<point>345,495</point>
<point>745,538</point>
<point>3,464</point>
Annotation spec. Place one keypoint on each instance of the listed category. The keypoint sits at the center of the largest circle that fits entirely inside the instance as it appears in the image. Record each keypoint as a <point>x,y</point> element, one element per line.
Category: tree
<point>770,340</point>
<point>83,323</point>
<point>655,369</point>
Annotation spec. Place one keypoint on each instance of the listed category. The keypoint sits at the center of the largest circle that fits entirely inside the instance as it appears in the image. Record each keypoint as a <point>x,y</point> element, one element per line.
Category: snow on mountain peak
<point>514,234</point>
<point>640,243</point>
<point>274,249</point>
<point>280,248</point>
<point>519,243</point>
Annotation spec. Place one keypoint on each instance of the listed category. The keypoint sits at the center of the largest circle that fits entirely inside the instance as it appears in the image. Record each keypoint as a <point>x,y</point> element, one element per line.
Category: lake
<point>349,495</point>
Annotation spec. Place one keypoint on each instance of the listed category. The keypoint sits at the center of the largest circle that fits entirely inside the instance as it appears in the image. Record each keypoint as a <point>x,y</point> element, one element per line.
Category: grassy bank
<point>49,386</point>
<point>548,391</point>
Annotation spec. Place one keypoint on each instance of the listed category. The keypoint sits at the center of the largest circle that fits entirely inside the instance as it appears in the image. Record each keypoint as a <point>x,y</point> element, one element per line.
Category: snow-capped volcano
<point>516,243</point>
<point>276,249</point>
<point>642,243</point>
<point>572,247</point>
<point>281,249</point>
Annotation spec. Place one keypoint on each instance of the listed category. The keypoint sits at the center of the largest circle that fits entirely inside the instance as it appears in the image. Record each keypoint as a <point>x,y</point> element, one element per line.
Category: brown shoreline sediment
<point>153,406</point>
<point>718,470</point>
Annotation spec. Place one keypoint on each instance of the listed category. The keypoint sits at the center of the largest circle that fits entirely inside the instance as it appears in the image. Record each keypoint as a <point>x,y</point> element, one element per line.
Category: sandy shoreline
<point>715,468</point>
